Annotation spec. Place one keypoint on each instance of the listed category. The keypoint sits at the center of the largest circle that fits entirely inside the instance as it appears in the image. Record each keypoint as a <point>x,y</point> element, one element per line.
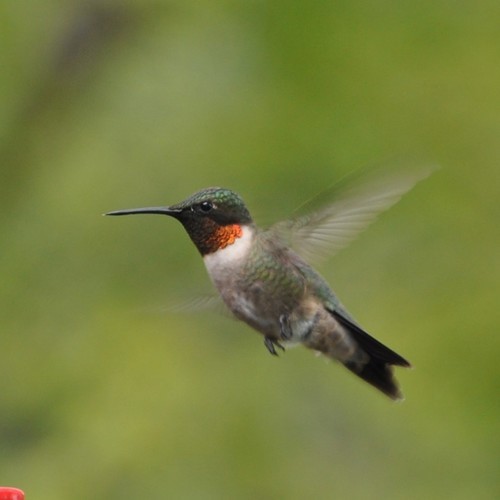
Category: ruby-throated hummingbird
<point>263,279</point>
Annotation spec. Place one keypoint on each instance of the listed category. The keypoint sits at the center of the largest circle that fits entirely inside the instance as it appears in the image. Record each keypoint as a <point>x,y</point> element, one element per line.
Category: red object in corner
<point>11,493</point>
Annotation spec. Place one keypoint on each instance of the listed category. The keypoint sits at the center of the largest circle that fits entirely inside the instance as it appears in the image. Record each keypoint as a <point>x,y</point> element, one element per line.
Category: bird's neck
<point>230,246</point>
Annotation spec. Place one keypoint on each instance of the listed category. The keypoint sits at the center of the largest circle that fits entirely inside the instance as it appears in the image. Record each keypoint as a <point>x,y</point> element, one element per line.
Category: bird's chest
<point>246,297</point>
<point>259,288</point>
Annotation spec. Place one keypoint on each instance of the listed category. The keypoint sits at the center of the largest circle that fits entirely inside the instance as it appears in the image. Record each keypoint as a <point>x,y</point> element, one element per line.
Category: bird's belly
<point>255,313</point>
<point>277,317</point>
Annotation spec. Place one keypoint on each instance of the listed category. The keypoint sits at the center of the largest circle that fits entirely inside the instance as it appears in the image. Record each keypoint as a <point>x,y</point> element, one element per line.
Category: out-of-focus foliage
<point>107,105</point>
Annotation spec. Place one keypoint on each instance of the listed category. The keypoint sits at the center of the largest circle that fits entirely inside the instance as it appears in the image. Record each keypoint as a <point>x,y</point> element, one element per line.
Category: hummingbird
<point>264,278</point>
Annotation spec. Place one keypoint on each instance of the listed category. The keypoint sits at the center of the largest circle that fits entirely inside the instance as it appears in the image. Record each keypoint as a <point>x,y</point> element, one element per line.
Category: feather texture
<point>320,234</point>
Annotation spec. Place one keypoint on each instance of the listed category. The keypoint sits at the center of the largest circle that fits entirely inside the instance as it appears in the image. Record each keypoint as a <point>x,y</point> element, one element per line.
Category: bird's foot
<point>270,344</point>
<point>286,329</point>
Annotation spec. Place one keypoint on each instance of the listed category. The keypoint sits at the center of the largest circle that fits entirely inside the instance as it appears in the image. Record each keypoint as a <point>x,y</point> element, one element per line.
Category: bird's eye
<point>206,206</point>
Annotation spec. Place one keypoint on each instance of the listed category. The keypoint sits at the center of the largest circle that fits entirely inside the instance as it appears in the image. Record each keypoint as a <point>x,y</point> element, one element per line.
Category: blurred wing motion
<point>200,302</point>
<point>324,232</point>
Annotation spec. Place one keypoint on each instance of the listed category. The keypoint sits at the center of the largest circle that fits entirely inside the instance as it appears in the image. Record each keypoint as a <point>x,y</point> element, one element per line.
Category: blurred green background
<point>116,104</point>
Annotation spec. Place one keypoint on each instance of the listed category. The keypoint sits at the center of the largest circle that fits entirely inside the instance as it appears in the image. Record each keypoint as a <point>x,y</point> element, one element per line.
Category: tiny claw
<point>270,344</point>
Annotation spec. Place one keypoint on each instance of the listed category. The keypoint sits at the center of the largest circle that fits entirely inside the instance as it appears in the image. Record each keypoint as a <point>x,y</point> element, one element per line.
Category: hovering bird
<point>264,279</point>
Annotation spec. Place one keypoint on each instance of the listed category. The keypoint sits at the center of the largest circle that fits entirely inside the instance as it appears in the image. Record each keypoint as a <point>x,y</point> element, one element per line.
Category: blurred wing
<point>324,232</point>
<point>197,303</point>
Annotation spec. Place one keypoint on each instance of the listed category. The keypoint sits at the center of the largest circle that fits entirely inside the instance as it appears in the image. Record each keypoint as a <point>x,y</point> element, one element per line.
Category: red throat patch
<point>224,236</point>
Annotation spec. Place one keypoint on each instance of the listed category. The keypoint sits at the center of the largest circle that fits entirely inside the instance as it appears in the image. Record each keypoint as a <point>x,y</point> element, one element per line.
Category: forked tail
<point>377,371</point>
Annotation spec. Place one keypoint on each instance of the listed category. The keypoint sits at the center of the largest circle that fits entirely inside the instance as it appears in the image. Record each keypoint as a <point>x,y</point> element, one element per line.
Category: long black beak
<point>174,212</point>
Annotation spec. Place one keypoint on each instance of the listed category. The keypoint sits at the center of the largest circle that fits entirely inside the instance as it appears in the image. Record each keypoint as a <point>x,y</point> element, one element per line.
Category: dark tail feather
<point>378,371</point>
<point>378,374</point>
